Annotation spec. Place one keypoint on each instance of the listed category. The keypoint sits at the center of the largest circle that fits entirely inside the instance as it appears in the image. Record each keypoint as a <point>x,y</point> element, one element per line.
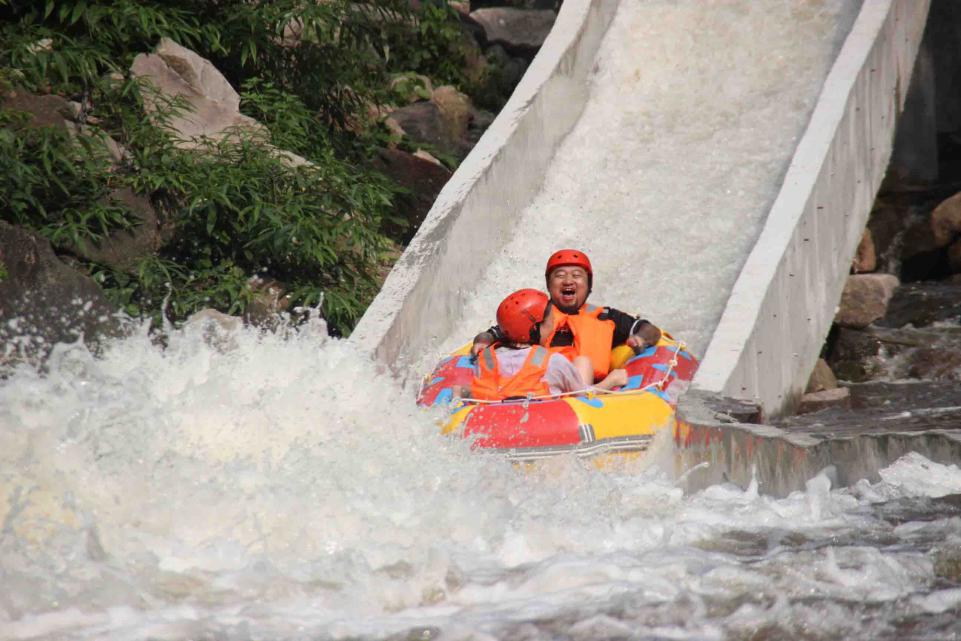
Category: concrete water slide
<point>781,304</point>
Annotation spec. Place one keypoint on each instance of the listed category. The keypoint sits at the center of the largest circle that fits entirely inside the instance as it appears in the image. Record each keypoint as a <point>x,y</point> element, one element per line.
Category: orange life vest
<point>490,385</point>
<point>592,337</point>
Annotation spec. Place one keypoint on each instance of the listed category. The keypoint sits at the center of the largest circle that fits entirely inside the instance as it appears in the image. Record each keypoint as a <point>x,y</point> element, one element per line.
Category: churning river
<point>281,486</point>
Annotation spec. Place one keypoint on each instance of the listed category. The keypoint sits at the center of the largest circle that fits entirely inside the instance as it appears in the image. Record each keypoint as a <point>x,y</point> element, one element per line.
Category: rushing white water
<point>279,487</point>
<point>695,110</point>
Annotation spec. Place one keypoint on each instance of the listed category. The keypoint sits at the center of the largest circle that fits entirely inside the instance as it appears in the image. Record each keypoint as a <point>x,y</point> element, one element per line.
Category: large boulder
<point>946,221</point>
<point>62,115</point>
<point>425,123</point>
<point>123,249</point>
<point>865,299</point>
<point>213,105</point>
<point>43,301</point>
<point>517,30</point>
<point>421,178</point>
<point>45,111</point>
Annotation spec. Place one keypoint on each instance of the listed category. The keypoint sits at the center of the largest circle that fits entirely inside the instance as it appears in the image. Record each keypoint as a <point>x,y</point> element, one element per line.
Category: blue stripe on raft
<point>660,394</point>
<point>647,352</point>
<point>633,382</point>
<point>593,402</point>
<point>684,355</point>
<point>436,380</point>
<point>465,361</point>
<point>444,397</point>
<point>663,368</point>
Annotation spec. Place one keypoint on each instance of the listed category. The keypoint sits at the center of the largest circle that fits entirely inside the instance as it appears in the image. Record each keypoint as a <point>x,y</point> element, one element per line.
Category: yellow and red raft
<point>587,424</point>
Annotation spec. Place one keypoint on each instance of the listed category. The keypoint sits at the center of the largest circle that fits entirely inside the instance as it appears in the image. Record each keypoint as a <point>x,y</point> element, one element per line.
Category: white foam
<point>283,487</point>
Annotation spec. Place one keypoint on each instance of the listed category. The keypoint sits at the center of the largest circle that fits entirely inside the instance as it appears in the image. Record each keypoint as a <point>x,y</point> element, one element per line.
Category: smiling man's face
<point>567,286</point>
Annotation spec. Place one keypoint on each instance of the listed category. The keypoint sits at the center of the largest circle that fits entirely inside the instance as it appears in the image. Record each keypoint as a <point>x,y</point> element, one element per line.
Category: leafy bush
<point>57,183</point>
<point>308,71</point>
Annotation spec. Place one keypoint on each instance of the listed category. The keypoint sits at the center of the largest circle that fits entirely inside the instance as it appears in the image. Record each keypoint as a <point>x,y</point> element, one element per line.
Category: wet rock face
<point>922,304</point>
<point>909,406</point>
<point>43,301</point>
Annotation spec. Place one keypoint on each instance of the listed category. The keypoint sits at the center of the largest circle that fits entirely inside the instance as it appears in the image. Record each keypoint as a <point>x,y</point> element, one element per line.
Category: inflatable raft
<point>588,424</point>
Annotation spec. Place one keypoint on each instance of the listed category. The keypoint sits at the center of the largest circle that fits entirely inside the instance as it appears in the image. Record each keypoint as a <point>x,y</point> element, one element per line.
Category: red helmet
<point>570,257</point>
<point>520,312</point>
<point>565,257</point>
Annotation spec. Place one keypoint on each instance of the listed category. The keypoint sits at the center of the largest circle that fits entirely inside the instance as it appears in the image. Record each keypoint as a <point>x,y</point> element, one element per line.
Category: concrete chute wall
<point>471,217</point>
<point>784,300</point>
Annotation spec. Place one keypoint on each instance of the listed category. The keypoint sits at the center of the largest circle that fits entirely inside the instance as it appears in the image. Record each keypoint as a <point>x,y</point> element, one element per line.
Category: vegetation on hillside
<point>308,70</point>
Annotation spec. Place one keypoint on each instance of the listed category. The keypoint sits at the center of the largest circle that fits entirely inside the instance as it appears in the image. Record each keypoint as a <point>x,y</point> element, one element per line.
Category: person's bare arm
<point>485,339</point>
<point>616,378</point>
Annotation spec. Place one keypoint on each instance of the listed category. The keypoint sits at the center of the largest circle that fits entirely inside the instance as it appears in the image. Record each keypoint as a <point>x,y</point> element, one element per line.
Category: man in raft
<point>518,366</point>
<point>576,328</point>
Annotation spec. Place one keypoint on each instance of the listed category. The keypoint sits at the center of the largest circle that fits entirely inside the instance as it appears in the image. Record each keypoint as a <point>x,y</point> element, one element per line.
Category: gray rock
<point>815,401</point>
<point>517,30</point>
<point>421,178</point>
<point>865,299</point>
<point>44,302</point>
<point>45,111</point>
<point>214,106</point>
<point>822,378</point>
<point>424,123</point>
<point>123,249</point>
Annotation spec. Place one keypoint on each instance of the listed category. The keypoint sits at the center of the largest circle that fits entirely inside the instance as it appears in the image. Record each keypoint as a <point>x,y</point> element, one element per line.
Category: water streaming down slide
<point>695,111</point>
<point>282,487</point>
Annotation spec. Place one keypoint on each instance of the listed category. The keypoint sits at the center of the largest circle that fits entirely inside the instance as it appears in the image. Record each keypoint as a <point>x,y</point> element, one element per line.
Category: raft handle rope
<point>592,391</point>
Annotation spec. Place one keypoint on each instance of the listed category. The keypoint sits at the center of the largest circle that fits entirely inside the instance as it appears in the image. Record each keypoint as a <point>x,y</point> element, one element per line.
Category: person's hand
<point>481,342</point>
<point>647,335</point>
<point>617,378</point>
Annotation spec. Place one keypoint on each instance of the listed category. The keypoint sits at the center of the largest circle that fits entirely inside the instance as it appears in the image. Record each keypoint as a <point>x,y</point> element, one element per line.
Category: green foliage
<point>408,87</point>
<point>233,209</point>
<point>56,182</point>
<point>434,46</point>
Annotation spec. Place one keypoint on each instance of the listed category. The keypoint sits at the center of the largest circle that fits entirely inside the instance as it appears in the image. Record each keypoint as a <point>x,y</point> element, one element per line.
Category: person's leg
<point>584,369</point>
<point>617,378</point>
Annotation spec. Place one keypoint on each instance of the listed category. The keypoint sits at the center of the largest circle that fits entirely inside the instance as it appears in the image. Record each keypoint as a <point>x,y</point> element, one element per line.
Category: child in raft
<point>521,367</point>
